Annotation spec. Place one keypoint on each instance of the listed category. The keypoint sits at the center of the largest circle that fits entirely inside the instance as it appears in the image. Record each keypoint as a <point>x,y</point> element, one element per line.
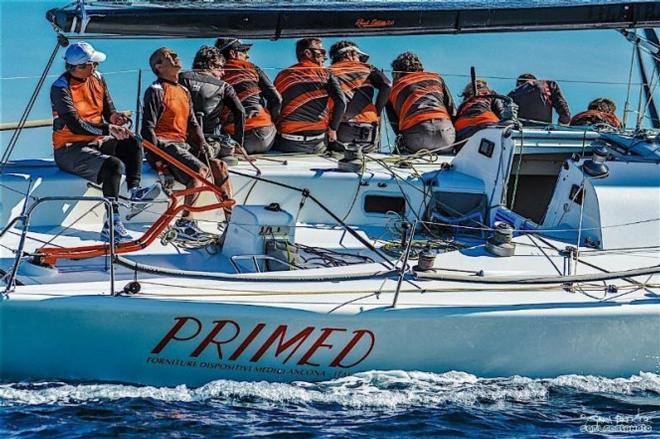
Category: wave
<point>376,390</point>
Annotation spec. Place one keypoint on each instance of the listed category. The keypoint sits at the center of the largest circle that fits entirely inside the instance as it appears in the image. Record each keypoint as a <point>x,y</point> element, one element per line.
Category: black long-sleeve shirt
<point>176,122</point>
<point>209,96</point>
<point>537,98</point>
<point>66,114</point>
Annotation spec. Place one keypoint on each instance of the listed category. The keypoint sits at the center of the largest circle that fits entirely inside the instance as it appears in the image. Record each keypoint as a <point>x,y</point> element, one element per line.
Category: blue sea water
<point>372,404</point>
<point>392,403</point>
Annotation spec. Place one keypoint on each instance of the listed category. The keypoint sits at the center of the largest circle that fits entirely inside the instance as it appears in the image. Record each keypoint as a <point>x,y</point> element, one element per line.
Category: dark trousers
<point>259,140</point>
<point>316,146</point>
<point>103,162</point>
<point>433,134</point>
<point>365,135</point>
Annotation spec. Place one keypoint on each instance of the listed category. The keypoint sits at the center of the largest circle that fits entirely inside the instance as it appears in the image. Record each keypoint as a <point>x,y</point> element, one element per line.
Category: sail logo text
<point>309,346</point>
<point>363,23</point>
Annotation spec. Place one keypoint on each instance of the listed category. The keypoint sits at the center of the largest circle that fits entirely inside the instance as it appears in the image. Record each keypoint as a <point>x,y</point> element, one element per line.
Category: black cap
<point>227,44</point>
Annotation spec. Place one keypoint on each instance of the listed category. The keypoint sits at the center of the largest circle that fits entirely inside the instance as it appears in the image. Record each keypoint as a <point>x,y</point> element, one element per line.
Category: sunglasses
<point>318,51</point>
<point>172,55</point>
<point>88,65</point>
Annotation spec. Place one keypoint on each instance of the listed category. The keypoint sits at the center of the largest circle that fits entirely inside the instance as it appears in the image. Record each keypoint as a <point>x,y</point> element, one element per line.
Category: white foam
<point>376,389</point>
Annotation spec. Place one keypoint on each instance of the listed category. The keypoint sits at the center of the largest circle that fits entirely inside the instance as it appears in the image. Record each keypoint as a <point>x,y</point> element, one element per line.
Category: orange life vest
<point>87,97</point>
<point>417,97</point>
<point>358,89</point>
<point>243,76</point>
<point>304,98</point>
<point>475,111</point>
<point>173,122</point>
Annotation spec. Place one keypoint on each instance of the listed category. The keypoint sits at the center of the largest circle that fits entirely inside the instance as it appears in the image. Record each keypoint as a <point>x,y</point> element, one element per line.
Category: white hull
<point>326,321</point>
<point>162,341</point>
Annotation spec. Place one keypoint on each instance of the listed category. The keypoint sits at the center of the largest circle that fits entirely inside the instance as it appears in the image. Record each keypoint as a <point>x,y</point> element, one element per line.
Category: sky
<point>587,64</point>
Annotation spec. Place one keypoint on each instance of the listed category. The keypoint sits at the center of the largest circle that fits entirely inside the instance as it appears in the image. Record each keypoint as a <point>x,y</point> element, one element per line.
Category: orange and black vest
<point>304,98</point>
<point>591,117</point>
<point>173,121</point>
<point>417,97</point>
<point>243,76</point>
<point>89,101</point>
<point>358,89</point>
<point>475,111</point>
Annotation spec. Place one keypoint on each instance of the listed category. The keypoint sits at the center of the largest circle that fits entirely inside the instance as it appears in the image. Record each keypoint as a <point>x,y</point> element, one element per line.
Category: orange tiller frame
<point>50,255</point>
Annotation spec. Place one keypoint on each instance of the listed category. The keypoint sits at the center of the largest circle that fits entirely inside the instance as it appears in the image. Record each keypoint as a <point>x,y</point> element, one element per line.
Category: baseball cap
<point>364,57</point>
<point>81,53</point>
<point>227,44</point>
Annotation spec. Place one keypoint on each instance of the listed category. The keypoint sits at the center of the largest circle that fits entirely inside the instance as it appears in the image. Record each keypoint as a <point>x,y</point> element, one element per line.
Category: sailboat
<point>427,262</point>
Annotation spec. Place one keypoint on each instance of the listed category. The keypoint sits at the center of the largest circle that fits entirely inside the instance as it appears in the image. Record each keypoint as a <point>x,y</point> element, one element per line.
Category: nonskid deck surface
<point>324,290</point>
<point>383,176</point>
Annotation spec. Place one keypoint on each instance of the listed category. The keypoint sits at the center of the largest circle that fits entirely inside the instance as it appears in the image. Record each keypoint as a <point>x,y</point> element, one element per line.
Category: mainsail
<point>275,20</point>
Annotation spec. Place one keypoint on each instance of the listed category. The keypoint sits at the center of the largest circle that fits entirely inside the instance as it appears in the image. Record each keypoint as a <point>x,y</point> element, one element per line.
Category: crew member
<point>168,122</point>
<point>599,111</point>
<point>358,80</point>
<point>421,107</point>
<point>536,99</point>
<point>253,88</point>
<point>90,137</point>
<point>306,123</point>
<point>477,112</point>
<point>211,97</point>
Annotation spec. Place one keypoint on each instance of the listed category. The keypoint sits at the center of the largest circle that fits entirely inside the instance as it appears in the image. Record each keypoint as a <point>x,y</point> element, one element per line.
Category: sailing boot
<point>121,234</point>
<point>144,194</point>
<point>188,230</point>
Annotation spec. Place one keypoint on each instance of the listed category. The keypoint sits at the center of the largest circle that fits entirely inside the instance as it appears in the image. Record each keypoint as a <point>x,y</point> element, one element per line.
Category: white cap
<point>82,53</point>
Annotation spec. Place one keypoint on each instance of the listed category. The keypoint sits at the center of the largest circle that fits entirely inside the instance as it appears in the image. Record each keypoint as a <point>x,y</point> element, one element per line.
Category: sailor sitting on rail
<point>260,98</point>
<point>420,107</point>
<point>307,122</point>
<point>477,112</point>
<point>89,135</point>
<point>601,111</point>
<point>359,82</point>
<point>168,123</point>
<point>211,96</point>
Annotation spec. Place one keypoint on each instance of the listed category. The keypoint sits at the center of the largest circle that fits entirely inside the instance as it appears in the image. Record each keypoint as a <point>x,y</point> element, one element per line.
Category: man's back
<point>303,87</point>
<point>207,95</point>
<point>537,98</point>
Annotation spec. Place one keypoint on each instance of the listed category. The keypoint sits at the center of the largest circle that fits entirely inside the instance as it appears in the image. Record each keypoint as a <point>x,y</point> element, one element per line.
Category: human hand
<point>117,118</point>
<point>332,135</point>
<point>243,155</point>
<point>206,151</point>
<point>119,132</point>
